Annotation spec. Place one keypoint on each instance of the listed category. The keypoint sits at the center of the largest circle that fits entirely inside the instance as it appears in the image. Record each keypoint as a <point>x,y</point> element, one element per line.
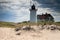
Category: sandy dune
<point>11,34</point>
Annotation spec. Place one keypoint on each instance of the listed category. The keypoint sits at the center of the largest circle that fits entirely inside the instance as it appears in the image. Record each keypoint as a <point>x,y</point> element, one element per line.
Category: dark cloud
<point>48,1</point>
<point>5,2</point>
<point>53,4</point>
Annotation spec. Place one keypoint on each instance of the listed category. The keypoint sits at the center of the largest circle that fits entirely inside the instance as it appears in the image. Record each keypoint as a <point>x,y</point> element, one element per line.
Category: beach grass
<point>20,24</point>
<point>7,24</point>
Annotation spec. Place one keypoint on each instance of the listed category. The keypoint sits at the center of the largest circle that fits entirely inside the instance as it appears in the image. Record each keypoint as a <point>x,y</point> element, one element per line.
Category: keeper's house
<point>45,17</point>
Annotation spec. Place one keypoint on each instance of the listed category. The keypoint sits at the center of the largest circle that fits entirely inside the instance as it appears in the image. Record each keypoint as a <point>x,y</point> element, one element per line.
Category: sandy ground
<point>11,34</point>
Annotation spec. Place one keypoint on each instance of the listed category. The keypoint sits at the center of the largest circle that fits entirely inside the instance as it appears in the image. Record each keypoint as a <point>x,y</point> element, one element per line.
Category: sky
<point>18,10</point>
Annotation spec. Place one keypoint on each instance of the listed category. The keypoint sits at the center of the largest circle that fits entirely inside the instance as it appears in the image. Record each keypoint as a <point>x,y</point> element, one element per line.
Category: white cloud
<point>57,18</point>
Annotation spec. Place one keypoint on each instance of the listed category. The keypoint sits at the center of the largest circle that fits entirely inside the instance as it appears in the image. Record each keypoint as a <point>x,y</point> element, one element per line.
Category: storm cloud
<point>53,4</point>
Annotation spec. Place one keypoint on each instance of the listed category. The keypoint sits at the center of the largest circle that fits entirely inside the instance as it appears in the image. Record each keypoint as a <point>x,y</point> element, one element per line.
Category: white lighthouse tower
<point>33,16</point>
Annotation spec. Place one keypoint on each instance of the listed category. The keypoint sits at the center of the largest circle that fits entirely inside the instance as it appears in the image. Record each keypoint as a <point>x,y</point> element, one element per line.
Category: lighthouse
<point>33,15</point>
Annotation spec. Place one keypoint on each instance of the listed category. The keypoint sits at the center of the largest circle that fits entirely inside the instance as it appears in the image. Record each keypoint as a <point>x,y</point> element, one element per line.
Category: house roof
<point>44,16</point>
